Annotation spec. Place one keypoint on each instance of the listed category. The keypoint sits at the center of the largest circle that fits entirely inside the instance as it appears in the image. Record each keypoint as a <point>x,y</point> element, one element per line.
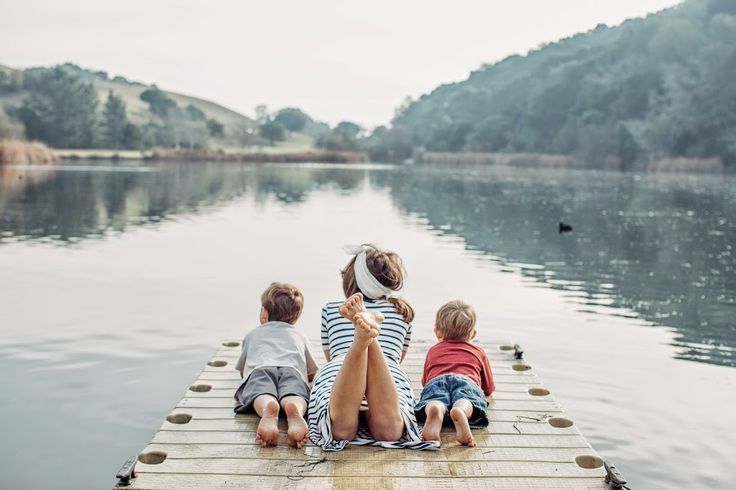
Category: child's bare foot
<point>433,425</point>
<point>464,436</point>
<point>298,430</point>
<point>267,433</point>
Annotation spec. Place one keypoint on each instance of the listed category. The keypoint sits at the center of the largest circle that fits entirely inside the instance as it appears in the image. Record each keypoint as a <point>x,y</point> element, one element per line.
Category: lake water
<point>118,281</point>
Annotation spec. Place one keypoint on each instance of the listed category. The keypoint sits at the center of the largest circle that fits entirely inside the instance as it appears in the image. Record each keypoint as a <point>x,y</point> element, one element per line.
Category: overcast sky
<point>335,59</point>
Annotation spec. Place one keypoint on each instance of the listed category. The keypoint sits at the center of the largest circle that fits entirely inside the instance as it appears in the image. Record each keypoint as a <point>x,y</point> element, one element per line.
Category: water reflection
<point>654,246</point>
<point>75,204</point>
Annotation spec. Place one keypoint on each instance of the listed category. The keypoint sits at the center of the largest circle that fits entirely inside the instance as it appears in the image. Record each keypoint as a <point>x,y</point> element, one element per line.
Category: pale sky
<point>337,60</point>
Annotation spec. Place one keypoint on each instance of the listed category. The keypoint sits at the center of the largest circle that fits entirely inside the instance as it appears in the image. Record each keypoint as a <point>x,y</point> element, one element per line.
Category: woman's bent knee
<point>387,430</point>
<point>341,432</point>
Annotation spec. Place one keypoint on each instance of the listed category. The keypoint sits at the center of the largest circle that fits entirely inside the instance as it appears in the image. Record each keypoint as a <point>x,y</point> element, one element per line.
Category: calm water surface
<point>118,281</point>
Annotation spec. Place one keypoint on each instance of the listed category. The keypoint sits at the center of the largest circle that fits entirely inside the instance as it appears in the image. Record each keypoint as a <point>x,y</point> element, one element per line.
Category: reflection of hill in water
<point>656,246</point>
<point>69,205</point>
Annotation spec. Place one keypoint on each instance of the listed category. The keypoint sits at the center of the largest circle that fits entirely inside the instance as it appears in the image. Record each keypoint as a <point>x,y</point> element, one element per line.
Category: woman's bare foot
<point>364,332</point>
<point>367,325</point>
<point>267,433</point>
<point>352,306</point>
<point>298,430</point>
<point>463,434</point>
<point>433,425</point>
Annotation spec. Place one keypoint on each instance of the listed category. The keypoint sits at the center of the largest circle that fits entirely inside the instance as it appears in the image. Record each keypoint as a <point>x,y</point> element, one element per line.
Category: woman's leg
<point>461,410</point>
<point>384,419</point>
<point>267,407</point>
<point>349,387</point>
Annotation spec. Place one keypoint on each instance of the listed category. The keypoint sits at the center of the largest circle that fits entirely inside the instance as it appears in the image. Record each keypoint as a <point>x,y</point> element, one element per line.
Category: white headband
<point>367,283</point>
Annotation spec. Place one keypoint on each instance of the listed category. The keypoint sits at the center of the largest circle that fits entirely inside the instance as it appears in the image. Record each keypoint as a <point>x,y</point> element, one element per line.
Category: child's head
<point>455,321</point>
<point>281,302</point>
<point>387,268</point>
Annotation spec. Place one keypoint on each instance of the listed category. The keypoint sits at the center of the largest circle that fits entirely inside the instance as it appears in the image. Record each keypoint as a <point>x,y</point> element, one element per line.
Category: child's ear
<point>472,335</point>
<point>437,333</point>
<point>264,315</point>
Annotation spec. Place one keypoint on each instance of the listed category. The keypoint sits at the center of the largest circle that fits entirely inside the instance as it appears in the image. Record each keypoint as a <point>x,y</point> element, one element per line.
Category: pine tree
<point>114,122</point>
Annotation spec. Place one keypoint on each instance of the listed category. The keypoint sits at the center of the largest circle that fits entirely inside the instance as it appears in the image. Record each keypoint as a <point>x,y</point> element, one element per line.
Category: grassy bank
<point>541,160</point>
<point>221,156</point>
<point>102,154</point>
<point>26,152</point>
<point>506,159</point>
<point>686,165</point>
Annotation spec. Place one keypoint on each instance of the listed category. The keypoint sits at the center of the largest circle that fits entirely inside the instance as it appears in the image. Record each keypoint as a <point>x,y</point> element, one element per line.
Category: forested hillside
<point>658,87</point>
<point>69,107</point>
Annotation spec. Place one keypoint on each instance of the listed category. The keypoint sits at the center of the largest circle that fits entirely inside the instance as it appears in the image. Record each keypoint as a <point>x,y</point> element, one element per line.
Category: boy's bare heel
<point>433,424</point>
<point>463,434</point>
<point>267,433</point>
<point>298,430</point>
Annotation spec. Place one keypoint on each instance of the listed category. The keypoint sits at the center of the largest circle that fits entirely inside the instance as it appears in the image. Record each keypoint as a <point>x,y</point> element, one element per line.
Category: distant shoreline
<point>429,159</point>
<point>541,160</point>
<point>200,155</point>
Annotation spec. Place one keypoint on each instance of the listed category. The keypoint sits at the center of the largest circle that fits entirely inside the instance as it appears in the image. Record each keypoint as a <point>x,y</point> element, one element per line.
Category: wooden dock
<point>530,444</point>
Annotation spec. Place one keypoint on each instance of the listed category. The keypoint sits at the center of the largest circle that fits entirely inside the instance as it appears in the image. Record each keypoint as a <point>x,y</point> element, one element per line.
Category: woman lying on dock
<point>364,343</point>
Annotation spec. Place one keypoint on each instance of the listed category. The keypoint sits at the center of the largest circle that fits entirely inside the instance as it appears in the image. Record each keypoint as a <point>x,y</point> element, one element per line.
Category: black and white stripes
<point>337,337</point>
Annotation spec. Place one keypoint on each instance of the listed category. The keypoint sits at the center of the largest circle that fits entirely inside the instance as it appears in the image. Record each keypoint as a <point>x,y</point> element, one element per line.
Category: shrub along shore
<point>26,152</point>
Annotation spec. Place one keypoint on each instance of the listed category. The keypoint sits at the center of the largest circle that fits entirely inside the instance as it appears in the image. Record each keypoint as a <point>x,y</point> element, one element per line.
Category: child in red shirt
<point>457,377</point>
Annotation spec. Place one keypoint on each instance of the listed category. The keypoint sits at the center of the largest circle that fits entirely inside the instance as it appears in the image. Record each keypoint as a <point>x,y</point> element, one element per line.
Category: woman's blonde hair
<point>456,320</point>
<point>388,269</point>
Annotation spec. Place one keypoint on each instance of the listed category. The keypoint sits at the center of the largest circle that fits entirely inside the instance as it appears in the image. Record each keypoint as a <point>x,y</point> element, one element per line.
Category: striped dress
<point>337,337</point>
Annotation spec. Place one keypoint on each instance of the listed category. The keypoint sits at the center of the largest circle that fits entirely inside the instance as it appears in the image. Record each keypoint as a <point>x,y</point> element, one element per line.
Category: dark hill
<point>656,87</point>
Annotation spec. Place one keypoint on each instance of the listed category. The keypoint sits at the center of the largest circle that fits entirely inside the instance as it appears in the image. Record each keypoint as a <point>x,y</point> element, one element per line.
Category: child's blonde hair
<point>283,302</point>
<point>455,320</point>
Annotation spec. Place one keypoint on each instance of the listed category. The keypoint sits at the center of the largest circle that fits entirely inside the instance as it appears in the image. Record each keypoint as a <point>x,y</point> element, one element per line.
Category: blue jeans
<point>449,388</point>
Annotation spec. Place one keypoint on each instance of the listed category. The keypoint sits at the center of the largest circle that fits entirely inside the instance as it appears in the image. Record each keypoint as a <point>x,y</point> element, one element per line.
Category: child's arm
<point>426,367</point>
<point>311,365</point>
<point>240,365</point>
<point>487,376</point>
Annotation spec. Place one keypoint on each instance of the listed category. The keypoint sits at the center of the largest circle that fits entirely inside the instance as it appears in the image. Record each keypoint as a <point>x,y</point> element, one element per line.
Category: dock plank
<point>371,468</point>
<point>369,453</point>
<point>153,481</point>
<point>250,424</point>
<point>203,413</point>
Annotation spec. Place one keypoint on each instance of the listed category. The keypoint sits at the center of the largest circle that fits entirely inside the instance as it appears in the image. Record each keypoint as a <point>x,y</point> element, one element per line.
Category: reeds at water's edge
<point>220,156</point>
<point>26,152</point>
<point>539,160</point>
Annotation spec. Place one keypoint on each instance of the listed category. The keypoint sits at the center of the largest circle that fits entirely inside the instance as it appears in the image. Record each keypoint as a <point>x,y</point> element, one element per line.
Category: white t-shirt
<point>276,344</point>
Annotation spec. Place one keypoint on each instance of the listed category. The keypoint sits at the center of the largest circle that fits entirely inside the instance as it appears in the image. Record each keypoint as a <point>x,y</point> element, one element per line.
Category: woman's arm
<point>407,341</point>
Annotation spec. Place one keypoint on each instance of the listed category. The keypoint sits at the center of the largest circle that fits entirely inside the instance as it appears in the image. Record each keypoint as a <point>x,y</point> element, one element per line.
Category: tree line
<point>658,87</point>
<point>61,109</point>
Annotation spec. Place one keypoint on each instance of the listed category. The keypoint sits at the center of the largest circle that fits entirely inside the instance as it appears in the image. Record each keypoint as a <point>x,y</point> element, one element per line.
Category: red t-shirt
<point>459,357</point>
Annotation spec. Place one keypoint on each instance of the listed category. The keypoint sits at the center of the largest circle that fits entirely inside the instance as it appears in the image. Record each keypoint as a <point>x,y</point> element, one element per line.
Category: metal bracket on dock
<point>614,477</point>
<point>518,351</point>
<point>127,472</point>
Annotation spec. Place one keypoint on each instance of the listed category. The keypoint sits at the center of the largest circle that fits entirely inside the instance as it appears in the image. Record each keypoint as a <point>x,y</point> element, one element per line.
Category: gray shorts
<point>275,381</point>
